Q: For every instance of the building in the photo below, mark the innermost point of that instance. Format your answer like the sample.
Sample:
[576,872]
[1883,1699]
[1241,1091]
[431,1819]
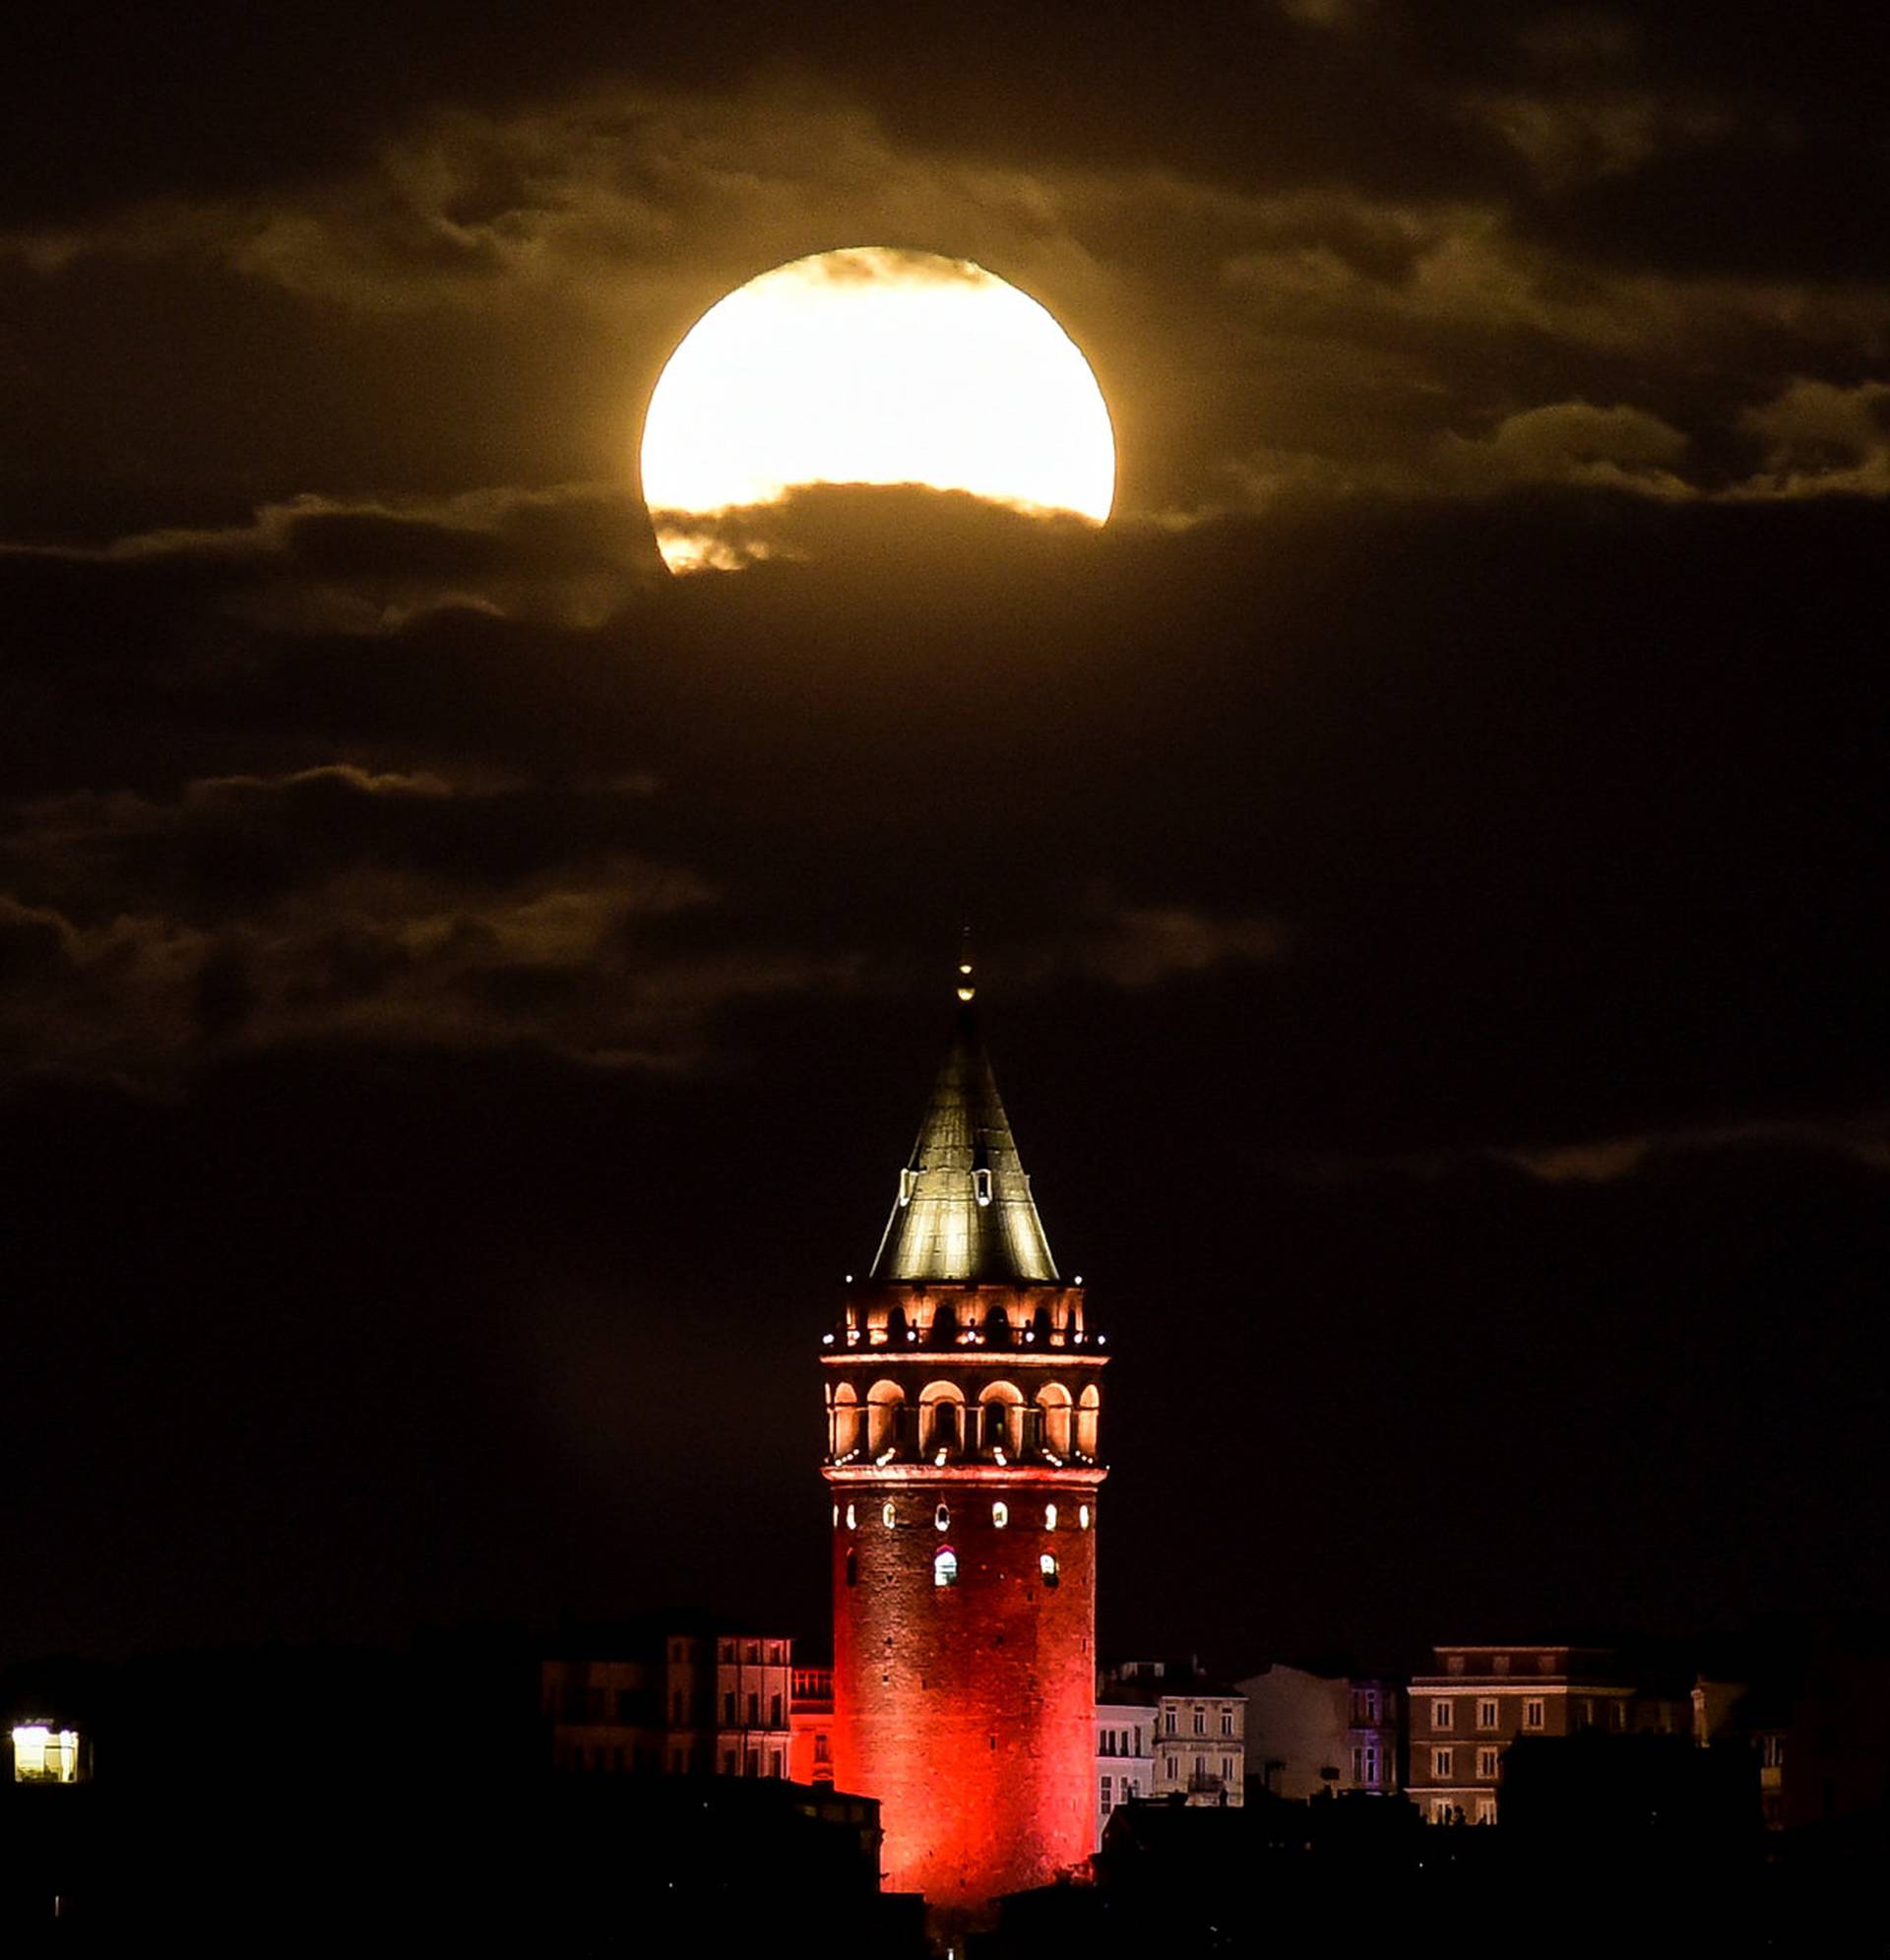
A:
[656,1701]
[1375,1758]
[1465,1716]
[810,1719]
[1200,1744]
[1309,1731]
[1124,1754]
[962,1388]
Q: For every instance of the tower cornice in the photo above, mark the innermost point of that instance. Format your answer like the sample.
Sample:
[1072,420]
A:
[949,1476]
[999,1359]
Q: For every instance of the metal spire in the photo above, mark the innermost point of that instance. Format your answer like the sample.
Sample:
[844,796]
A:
[963,1211]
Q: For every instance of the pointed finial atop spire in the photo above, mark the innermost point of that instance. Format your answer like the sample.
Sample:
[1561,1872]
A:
[966,990]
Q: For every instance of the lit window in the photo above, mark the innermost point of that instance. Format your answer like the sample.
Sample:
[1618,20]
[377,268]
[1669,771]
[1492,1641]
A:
[1487,1766]
[1000,1515]
[1532,1714]
[1047,1566]
[836,1517]
[1440,1715]
[1486,1809]
[1441,1760]
[1441,1810]
[1049,1517]
[1487,1712]
[851,1521]
[945,1567]
[42,1753]
[886,1515]
[1082,1517]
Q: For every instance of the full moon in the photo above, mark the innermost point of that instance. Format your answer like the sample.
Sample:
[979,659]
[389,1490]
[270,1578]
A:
[871,365]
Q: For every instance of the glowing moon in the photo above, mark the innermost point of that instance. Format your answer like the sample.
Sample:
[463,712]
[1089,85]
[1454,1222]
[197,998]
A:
[871,365]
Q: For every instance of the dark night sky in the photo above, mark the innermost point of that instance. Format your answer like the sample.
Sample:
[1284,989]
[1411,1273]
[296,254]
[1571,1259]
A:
[464,996]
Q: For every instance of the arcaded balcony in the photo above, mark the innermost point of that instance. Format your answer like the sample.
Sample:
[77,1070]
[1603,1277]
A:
[930,1318]
[977,1421]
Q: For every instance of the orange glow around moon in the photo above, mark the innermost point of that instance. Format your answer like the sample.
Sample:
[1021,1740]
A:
[871,365]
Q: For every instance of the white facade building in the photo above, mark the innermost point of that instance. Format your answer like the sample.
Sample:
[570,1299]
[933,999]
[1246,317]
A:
[1124,1756]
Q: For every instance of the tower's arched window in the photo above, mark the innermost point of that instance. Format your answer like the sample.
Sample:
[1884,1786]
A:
[1000,1514]
[852,1568]
[942,1418]
[1047,1566]
[1000,1419]
[945,1568]
[942,1518]
[884,1400]
[1087,1411]
[845,1419]
[1049,1517]
[1053,1399]
[887,1515]
[1082,1517]
[852,1523]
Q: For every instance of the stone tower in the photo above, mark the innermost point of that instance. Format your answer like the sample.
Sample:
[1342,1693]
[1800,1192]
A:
[963,1393]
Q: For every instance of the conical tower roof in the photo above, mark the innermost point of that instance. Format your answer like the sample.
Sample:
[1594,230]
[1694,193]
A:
[963,1211]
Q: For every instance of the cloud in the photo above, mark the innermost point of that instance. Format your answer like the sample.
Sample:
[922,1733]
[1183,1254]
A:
[1571,444]
[1822,440]
[1866,1140]
[872,528]
[571,554]
[342,903]
[1142,946]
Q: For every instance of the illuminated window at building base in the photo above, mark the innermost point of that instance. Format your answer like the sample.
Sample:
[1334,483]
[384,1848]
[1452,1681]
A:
[42,1753]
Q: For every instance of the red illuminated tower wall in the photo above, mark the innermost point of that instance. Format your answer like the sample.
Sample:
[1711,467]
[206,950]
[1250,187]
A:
[962,1412]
